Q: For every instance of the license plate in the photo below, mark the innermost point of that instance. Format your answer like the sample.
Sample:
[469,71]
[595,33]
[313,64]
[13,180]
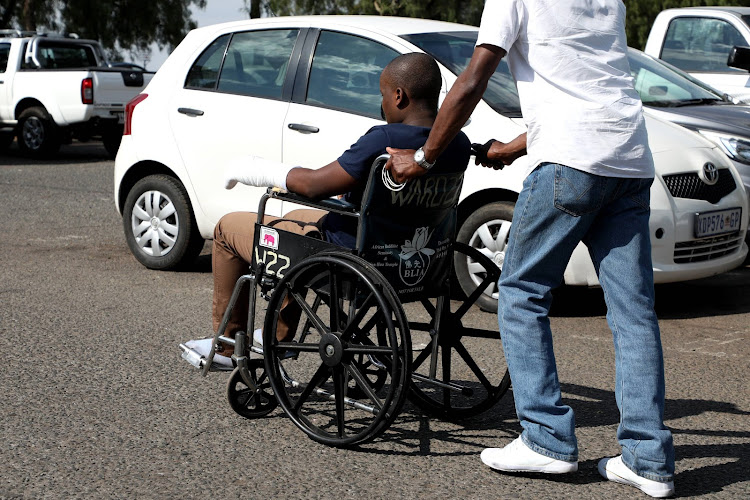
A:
[719,222]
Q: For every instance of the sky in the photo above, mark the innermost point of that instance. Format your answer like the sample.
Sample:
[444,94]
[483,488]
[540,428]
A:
[216,11]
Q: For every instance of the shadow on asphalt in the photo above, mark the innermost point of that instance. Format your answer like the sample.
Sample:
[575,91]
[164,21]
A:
[594,408]
[75,153]
[727,293]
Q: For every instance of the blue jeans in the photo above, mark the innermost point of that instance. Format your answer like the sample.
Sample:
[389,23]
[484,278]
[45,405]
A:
[557,208]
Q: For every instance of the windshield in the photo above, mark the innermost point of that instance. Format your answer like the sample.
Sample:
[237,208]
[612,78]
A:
[661,85]
[454,49]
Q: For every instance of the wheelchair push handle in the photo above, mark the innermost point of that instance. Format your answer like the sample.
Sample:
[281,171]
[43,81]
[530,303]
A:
[480,152]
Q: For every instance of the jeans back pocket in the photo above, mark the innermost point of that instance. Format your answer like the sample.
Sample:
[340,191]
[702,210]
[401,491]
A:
[578,193]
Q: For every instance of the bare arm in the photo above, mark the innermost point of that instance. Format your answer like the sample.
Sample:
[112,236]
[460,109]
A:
[455,111]
[321,183]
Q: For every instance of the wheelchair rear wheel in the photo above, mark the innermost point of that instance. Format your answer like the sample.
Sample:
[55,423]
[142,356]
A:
[344,374]
[461,371]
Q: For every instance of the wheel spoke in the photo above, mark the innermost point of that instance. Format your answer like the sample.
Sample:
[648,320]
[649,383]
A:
[141,213]
[367,349]
[146,238]
[311,315]
[339,390]
[486,283]
[446,355]
[475,267]
[502,235]
[281,347]
[244,396]
[166,238]
[168,210]
[141,228]
[426,352]
[461,350]
[335,294]
[486,236]
[155,247]
[363,383]
[321,375]
[155,200]
[351,327]
[168,228]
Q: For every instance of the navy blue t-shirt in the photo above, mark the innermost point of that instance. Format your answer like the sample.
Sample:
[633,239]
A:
[357,161]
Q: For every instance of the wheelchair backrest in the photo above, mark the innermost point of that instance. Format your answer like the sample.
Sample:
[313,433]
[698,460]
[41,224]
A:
[408,234]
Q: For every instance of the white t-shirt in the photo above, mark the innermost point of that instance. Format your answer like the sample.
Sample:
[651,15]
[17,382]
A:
[569,59]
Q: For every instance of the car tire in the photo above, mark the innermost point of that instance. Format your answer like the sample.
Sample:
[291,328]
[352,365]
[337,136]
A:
[38,135]
[111,137]
[486,229]
[159,204]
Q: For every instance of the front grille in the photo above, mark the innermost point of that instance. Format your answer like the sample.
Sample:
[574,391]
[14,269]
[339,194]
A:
[707,248]
[692,187]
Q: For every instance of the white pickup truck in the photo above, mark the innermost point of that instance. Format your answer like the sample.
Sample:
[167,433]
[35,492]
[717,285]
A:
[701,42]
[55,88]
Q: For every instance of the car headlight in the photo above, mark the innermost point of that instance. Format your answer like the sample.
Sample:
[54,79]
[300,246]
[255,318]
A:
[737,148]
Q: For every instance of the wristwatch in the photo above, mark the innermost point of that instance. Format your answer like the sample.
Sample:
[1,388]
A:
[421,160]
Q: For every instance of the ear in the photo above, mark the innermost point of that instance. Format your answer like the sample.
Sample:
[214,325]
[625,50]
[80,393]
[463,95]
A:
[402,99]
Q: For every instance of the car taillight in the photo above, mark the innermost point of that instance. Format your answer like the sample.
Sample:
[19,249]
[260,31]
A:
[87,91]
[129,108]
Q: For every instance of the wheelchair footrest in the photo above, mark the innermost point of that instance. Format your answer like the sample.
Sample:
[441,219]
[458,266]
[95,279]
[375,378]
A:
[198,361]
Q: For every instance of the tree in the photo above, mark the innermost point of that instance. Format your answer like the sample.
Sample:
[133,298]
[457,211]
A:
[27,14]
[120,25]
[461,11]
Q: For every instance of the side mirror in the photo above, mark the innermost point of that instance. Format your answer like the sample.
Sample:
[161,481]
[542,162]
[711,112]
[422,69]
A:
[739,57]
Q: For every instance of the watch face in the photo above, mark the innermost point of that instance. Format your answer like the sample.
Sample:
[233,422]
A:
[419,156]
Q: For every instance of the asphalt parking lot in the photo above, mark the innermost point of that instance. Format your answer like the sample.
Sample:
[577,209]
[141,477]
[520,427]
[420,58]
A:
[96,403]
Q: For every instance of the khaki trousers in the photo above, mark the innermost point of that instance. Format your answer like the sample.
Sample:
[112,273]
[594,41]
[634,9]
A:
[232,253]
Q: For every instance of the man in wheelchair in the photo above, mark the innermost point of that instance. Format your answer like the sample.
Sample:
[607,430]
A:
[410,87]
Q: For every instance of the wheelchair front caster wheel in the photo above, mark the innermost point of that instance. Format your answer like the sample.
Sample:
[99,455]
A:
[243,400]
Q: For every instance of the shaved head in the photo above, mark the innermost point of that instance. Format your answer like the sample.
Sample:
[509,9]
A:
[418,74]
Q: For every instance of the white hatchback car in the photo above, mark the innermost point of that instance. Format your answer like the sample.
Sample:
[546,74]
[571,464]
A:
[301,90]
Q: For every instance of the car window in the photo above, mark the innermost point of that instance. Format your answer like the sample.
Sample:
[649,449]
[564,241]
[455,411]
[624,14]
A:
[204,73]
[661,85]
[345,73]
[701,44]
[4,52]
[454,49]
[256,62]
[65,56]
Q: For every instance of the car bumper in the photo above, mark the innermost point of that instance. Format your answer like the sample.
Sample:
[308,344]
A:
[126,157]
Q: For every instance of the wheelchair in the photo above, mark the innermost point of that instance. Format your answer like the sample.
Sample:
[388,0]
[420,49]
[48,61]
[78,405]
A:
[354,357]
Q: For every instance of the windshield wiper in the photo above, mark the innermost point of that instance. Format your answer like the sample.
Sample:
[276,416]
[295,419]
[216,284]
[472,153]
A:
[694,102]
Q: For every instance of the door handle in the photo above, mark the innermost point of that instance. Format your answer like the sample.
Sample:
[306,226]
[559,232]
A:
[304,128]
[190,111]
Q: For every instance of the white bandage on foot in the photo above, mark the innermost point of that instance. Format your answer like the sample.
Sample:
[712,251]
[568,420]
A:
[256,171]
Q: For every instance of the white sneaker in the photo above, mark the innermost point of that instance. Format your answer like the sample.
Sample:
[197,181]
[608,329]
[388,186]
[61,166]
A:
[203,347]
[614,470]
[258,337]
[517,457]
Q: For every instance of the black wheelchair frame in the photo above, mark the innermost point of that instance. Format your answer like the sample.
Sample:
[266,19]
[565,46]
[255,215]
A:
[346,372]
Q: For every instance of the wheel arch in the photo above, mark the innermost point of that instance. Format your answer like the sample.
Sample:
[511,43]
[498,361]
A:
[480,198]
[26,103]
[139,171]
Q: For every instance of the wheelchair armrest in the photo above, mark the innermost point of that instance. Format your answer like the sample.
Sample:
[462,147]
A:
[329,204]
